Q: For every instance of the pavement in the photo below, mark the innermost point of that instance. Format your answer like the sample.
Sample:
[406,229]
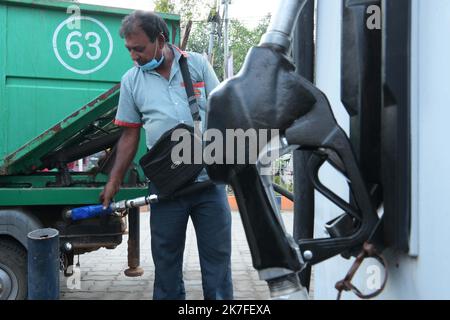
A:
[101,273]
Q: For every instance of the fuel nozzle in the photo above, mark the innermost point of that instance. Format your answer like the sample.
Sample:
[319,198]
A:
[114,208]
[287,287]
[282,23]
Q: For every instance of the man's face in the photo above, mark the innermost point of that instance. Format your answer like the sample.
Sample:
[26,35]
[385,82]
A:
[141,49]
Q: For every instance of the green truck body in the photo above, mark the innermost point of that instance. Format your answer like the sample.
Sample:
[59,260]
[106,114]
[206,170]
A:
[60,70]
[59,67]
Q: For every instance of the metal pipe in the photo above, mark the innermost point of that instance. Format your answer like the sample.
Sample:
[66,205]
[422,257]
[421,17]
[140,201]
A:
[134,269]
[303,52]
[43,264]
[226,43]
[212,26]
[282,24]
[303,207]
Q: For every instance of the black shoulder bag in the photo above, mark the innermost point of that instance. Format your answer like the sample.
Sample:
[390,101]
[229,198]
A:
[167,176]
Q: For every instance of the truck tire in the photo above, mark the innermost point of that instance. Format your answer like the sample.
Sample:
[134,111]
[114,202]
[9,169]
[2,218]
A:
[13,270]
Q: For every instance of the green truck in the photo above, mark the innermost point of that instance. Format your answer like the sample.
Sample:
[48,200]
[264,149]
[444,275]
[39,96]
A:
[60,70]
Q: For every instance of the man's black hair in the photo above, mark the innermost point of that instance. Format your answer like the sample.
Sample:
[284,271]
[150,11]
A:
[152,24]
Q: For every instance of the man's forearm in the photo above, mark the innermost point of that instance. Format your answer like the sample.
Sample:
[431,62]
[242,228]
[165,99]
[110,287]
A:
[126,150]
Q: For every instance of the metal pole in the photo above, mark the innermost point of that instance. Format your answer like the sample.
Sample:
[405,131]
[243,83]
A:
[226,44]
[303,51]
[134,248]
[43,264]
[212,26]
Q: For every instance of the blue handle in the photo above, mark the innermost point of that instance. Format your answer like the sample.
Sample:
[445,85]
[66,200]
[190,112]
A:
[90,212]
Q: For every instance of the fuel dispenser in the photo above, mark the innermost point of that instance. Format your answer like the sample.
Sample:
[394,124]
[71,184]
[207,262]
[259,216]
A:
[278,98]
[374,159]
[375,85]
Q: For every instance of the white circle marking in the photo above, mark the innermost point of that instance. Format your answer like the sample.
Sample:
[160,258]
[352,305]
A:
[58,56]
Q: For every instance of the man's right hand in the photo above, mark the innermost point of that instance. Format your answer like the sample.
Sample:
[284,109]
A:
[109,192]
[126,149]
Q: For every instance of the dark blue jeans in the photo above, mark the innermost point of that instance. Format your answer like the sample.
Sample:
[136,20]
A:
[210,214]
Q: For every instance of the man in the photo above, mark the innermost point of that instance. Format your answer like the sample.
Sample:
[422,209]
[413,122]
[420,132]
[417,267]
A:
[153,95]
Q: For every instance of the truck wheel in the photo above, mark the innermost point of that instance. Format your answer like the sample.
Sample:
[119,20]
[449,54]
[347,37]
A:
[13,270]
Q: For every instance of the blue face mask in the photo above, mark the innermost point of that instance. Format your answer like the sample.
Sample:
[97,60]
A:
[152,64]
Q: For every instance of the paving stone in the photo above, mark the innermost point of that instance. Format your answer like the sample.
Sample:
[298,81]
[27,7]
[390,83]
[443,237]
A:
[102,272]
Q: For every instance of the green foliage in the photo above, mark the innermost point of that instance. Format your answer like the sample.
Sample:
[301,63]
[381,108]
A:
[164,6]
[193,10]
[288,186]
[241,39]
[198,42]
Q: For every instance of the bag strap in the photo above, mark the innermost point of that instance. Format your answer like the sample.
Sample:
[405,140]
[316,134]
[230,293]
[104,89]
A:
[193,104]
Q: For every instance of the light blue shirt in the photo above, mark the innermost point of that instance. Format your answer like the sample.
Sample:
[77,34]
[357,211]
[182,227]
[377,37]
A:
[148,99]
